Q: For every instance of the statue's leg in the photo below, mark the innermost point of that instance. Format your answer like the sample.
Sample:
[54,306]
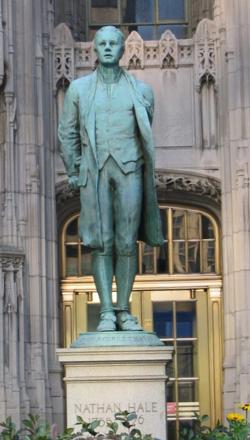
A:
[125,272]
[102,262]
[103,275]
[102,266]
[128,198]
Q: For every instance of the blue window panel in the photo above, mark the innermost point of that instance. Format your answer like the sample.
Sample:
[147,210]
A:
[179,30]
[163,324]
[185,324]
[147,32]
[134,11]
[171,9]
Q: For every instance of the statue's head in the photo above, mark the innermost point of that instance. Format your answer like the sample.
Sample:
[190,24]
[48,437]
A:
[109,45]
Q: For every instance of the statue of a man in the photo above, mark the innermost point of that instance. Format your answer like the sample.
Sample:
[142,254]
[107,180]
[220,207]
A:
[107,149]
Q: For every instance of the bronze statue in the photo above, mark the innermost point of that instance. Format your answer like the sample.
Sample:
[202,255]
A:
[107,149]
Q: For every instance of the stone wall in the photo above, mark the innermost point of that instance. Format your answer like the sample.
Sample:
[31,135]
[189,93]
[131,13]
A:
[30,375]
[232,18]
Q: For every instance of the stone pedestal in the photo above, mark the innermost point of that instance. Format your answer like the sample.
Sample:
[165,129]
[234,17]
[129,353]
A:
[101,381]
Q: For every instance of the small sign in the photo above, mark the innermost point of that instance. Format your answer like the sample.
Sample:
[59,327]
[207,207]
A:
[171,408]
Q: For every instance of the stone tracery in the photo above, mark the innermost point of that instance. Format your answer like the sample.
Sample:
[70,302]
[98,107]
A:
[71,57]
[168,48]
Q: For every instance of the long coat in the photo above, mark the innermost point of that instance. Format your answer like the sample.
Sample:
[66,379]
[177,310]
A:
[78,150]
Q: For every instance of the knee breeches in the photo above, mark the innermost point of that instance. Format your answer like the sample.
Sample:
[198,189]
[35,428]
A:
[120,200]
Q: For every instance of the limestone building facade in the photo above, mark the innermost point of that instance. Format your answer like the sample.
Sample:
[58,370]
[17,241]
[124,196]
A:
[194,292]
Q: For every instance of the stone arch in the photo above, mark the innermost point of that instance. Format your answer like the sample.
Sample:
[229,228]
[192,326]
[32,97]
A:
[193,189]
[67,202]
[172,186]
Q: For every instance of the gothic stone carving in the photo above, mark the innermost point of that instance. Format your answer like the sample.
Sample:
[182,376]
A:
[134,53]
[71,58]
[168,47]
[168,52]
[205,54]
[11,263]
[63,55]
[185,53]
[64,193]
[1,46]
[11,268]
[198,185]
[13,360]
[84,55]
[242,179]
[151,54]
[168,181]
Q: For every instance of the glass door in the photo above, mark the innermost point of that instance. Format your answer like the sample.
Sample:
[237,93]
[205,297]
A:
[189,320]
[176,325]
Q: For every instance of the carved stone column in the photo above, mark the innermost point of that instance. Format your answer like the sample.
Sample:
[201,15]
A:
[232,19]
[1,45]
[14,399]
[28,221]
[206,81]
[9,128]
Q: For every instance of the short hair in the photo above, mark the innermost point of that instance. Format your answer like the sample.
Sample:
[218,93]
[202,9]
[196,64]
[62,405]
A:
[110,28]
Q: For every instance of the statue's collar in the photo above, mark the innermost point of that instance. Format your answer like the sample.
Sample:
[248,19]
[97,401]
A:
[109,75]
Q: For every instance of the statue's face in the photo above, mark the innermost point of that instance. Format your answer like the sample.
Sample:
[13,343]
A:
[109,47]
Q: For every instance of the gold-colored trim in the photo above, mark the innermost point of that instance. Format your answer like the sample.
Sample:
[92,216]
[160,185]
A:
[147,311]
[136,308]
[81,315]
[156,282]
[215,350]
[63,241]
[203,350]
[186,240]
[176,370]
[201,244]
[140,257]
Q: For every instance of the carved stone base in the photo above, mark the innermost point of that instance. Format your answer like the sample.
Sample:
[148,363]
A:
[101,381]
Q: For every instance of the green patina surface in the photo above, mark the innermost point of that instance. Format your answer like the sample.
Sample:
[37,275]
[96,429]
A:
[117,339]
[107,149]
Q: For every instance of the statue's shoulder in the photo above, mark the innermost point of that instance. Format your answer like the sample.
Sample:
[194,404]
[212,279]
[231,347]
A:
[82,82]
[144,93]
[145,89]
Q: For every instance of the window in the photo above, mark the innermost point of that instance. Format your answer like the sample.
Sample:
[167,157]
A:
[191,246]
[175,322]
[76,257]
[149,18]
